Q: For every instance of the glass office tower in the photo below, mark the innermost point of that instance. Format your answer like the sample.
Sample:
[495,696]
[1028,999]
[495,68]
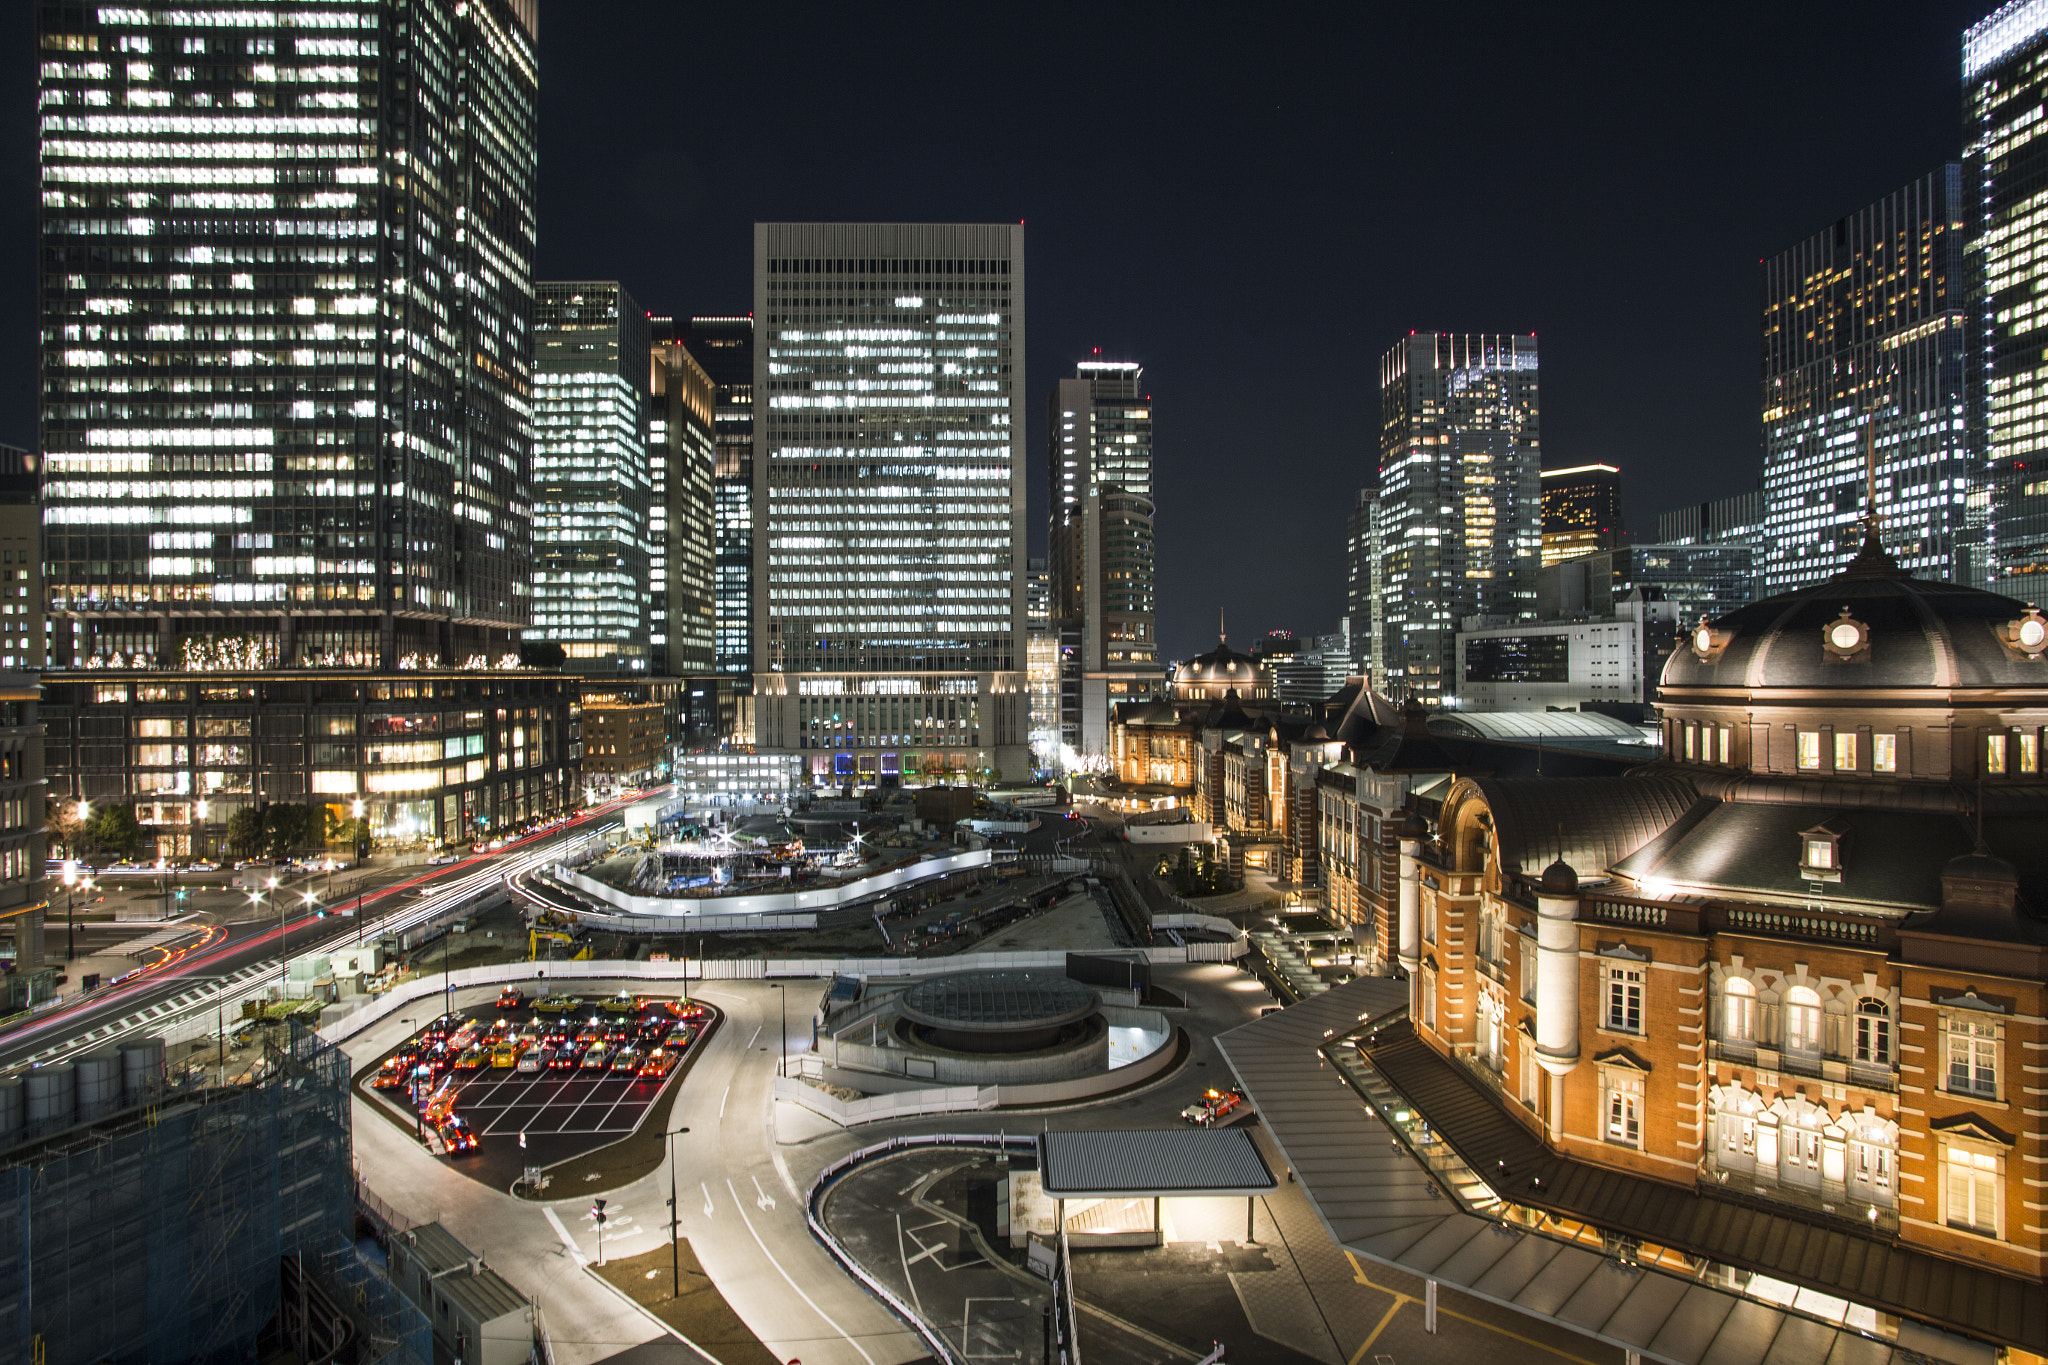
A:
[1581,511]
[590,476]
[685,457]
[889,498]
[724,347]
[1457,528]
[2005,81]
[287,306]
[286,302]
[1358,578]
[1100,547]
[1864,341]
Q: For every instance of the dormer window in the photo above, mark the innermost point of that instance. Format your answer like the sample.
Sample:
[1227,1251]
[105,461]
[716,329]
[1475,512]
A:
[1820,851]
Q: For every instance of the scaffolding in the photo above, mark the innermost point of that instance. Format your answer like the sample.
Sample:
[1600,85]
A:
[158,1233]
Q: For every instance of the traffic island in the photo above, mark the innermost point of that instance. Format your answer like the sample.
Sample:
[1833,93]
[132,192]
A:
[699,1313]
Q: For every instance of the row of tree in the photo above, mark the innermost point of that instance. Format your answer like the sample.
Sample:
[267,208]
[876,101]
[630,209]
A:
[275,829]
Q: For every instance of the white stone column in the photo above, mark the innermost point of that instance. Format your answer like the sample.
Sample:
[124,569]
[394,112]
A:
[1409,943]
[1557,970]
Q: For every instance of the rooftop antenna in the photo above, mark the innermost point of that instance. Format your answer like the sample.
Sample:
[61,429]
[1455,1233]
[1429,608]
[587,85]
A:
[1222,635]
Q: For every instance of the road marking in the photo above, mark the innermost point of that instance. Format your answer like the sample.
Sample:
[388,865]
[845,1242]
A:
[722,1099]
[1358,1274]
[850,1339]
[903,1255]
[707,1197]
[763,1200]
[563,1233]
[757,1036]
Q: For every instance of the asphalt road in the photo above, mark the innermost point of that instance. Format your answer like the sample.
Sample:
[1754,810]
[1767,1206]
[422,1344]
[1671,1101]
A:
[249,942]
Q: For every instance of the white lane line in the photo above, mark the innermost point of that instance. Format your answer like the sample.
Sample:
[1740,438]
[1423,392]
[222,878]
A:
[722,1099]
[563,1233]
[707,1198]
[757,1036]
[792,1283]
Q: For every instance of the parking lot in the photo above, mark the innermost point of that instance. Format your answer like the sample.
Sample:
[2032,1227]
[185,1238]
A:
[516,1082]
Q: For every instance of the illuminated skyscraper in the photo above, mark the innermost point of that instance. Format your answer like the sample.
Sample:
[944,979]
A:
[1864,336]
[287,373]
[2005,81]
[724,347]
[889,497]
[1581,511]
[287,307]
[1358,581]
[683,442]
[1100,549]
[1457,529]
[590,476]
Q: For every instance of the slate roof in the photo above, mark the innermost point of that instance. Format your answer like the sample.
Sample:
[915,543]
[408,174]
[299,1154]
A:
[1592,823]
[1922,633]
[1380,1205]
[1140,1163]
[1841,1257]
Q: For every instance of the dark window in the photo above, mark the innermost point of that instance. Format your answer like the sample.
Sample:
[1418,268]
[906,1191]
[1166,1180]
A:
[1518,658]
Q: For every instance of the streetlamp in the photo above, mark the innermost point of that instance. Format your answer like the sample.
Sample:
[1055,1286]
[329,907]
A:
[70,909]
[675,1265]
[782,1010]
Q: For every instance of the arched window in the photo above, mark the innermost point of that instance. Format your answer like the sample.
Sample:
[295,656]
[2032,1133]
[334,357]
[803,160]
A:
[1873,1032]
[1802,1020]
[1738,1010]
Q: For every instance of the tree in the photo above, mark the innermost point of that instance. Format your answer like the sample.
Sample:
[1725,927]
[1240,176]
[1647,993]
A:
[288,828]
[245,831]
[541,654]
[115,829]
[65,829]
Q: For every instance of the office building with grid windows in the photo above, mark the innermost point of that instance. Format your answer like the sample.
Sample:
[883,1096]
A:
[287,304]
[1101,554]
[724,349]
[1581,511]
[1864,354]
[684,461]
[889,499]
[590,475]
[1457,528]
[2005,79]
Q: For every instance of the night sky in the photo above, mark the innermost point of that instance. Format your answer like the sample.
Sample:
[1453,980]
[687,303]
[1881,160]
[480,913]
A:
[1254,202]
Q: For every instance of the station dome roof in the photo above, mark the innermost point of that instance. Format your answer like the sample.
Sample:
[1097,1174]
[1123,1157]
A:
[1870,626]
[1222,666]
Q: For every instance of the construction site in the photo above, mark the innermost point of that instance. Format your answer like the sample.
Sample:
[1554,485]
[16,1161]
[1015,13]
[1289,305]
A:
[145,1219]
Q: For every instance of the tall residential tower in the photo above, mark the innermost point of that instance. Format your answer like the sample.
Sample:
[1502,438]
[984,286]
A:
[1457,528]
[1864,352]
[1100,549]
[889,498]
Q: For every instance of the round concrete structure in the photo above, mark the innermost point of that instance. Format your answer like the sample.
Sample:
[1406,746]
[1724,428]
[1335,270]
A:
[998,1012]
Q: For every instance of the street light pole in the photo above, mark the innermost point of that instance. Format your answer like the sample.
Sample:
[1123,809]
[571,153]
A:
[782,1012]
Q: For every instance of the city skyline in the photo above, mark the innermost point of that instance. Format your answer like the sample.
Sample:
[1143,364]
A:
[1735,183]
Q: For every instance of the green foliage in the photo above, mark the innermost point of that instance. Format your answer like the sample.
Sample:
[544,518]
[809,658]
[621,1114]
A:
[1200,875]
[245,831]
[541,654]
[115,829]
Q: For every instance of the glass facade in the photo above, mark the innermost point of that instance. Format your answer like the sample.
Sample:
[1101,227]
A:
[286,331]
[685,459]
[591,477]
[2005,81]
[1581,511]
[888,495]
[1457,528]
[1864,346]
[1358,583]
[724,347]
